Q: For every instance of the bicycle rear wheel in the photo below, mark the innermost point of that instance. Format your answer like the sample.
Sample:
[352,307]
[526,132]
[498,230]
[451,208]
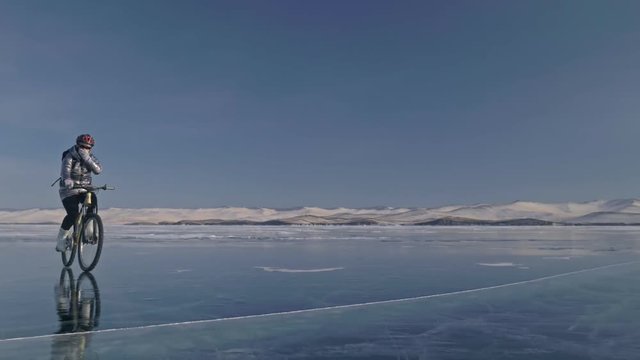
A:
[70,251]
[67,284]
[90,245]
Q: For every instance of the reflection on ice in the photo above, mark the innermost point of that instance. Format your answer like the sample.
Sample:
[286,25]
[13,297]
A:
[78,308]
[77,302]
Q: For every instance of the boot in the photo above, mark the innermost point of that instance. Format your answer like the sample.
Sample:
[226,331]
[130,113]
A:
[63,235]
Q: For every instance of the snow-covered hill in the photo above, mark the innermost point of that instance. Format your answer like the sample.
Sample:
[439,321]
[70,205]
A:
[624,211]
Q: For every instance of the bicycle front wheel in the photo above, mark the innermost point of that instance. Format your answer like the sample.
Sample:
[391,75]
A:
[90,245]
[88,302]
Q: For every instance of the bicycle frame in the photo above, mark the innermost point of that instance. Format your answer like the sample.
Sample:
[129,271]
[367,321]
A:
[81,215]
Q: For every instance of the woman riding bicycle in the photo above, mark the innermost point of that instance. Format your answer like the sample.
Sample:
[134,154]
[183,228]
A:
[78,163]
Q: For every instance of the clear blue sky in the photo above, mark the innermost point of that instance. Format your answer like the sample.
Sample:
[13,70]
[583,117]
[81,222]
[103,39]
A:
[323,103]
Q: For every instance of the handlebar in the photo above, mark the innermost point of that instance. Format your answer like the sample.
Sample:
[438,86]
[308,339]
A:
[95,188]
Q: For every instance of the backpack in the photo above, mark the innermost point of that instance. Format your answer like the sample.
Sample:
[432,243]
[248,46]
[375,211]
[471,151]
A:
[73,160]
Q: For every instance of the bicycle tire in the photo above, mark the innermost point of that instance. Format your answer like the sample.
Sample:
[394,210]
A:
[66,306]
[69,254]
[90,246]
[67,281]
[88,293]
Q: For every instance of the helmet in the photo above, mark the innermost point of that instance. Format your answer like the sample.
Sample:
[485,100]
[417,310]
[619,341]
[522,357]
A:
[85,140]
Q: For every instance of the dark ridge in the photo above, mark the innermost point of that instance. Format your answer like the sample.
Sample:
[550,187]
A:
[268,222]
[602,224]
[526,222]
[458,221]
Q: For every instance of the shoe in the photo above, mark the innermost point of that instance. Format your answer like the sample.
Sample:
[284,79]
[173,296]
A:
[63,235]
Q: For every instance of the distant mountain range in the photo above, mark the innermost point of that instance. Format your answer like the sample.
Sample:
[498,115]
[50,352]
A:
[600,212]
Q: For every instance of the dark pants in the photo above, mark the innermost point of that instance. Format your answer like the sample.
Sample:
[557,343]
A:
[71,205]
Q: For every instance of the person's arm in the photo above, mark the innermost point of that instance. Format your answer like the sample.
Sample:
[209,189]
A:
[90,161]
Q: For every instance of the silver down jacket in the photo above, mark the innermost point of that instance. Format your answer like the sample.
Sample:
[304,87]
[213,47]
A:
[77,165]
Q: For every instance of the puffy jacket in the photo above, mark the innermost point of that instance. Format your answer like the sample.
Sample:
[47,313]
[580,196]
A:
[77,165]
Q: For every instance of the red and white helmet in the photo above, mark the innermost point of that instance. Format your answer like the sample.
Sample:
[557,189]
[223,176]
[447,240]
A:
[85,140]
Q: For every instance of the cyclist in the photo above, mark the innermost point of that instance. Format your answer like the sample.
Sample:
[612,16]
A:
[78,163]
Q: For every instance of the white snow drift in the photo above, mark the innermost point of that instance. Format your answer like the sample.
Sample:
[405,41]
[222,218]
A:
[625,211]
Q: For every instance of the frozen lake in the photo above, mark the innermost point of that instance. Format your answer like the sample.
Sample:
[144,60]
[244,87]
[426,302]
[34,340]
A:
[243,292]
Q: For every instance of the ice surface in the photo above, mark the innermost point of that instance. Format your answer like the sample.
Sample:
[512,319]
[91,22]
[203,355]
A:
[157,288]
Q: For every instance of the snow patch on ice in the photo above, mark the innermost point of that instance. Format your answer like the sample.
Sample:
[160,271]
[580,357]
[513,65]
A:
[557,258]
[499,264]
[285,270]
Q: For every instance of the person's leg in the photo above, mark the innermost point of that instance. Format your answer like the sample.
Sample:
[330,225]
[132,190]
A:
[71,206]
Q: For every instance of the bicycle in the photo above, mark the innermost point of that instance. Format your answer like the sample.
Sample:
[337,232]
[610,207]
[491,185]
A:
[78,310]
[77,302]
[88,233]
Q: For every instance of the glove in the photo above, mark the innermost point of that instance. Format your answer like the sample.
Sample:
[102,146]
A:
[68,183]
[85,154]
